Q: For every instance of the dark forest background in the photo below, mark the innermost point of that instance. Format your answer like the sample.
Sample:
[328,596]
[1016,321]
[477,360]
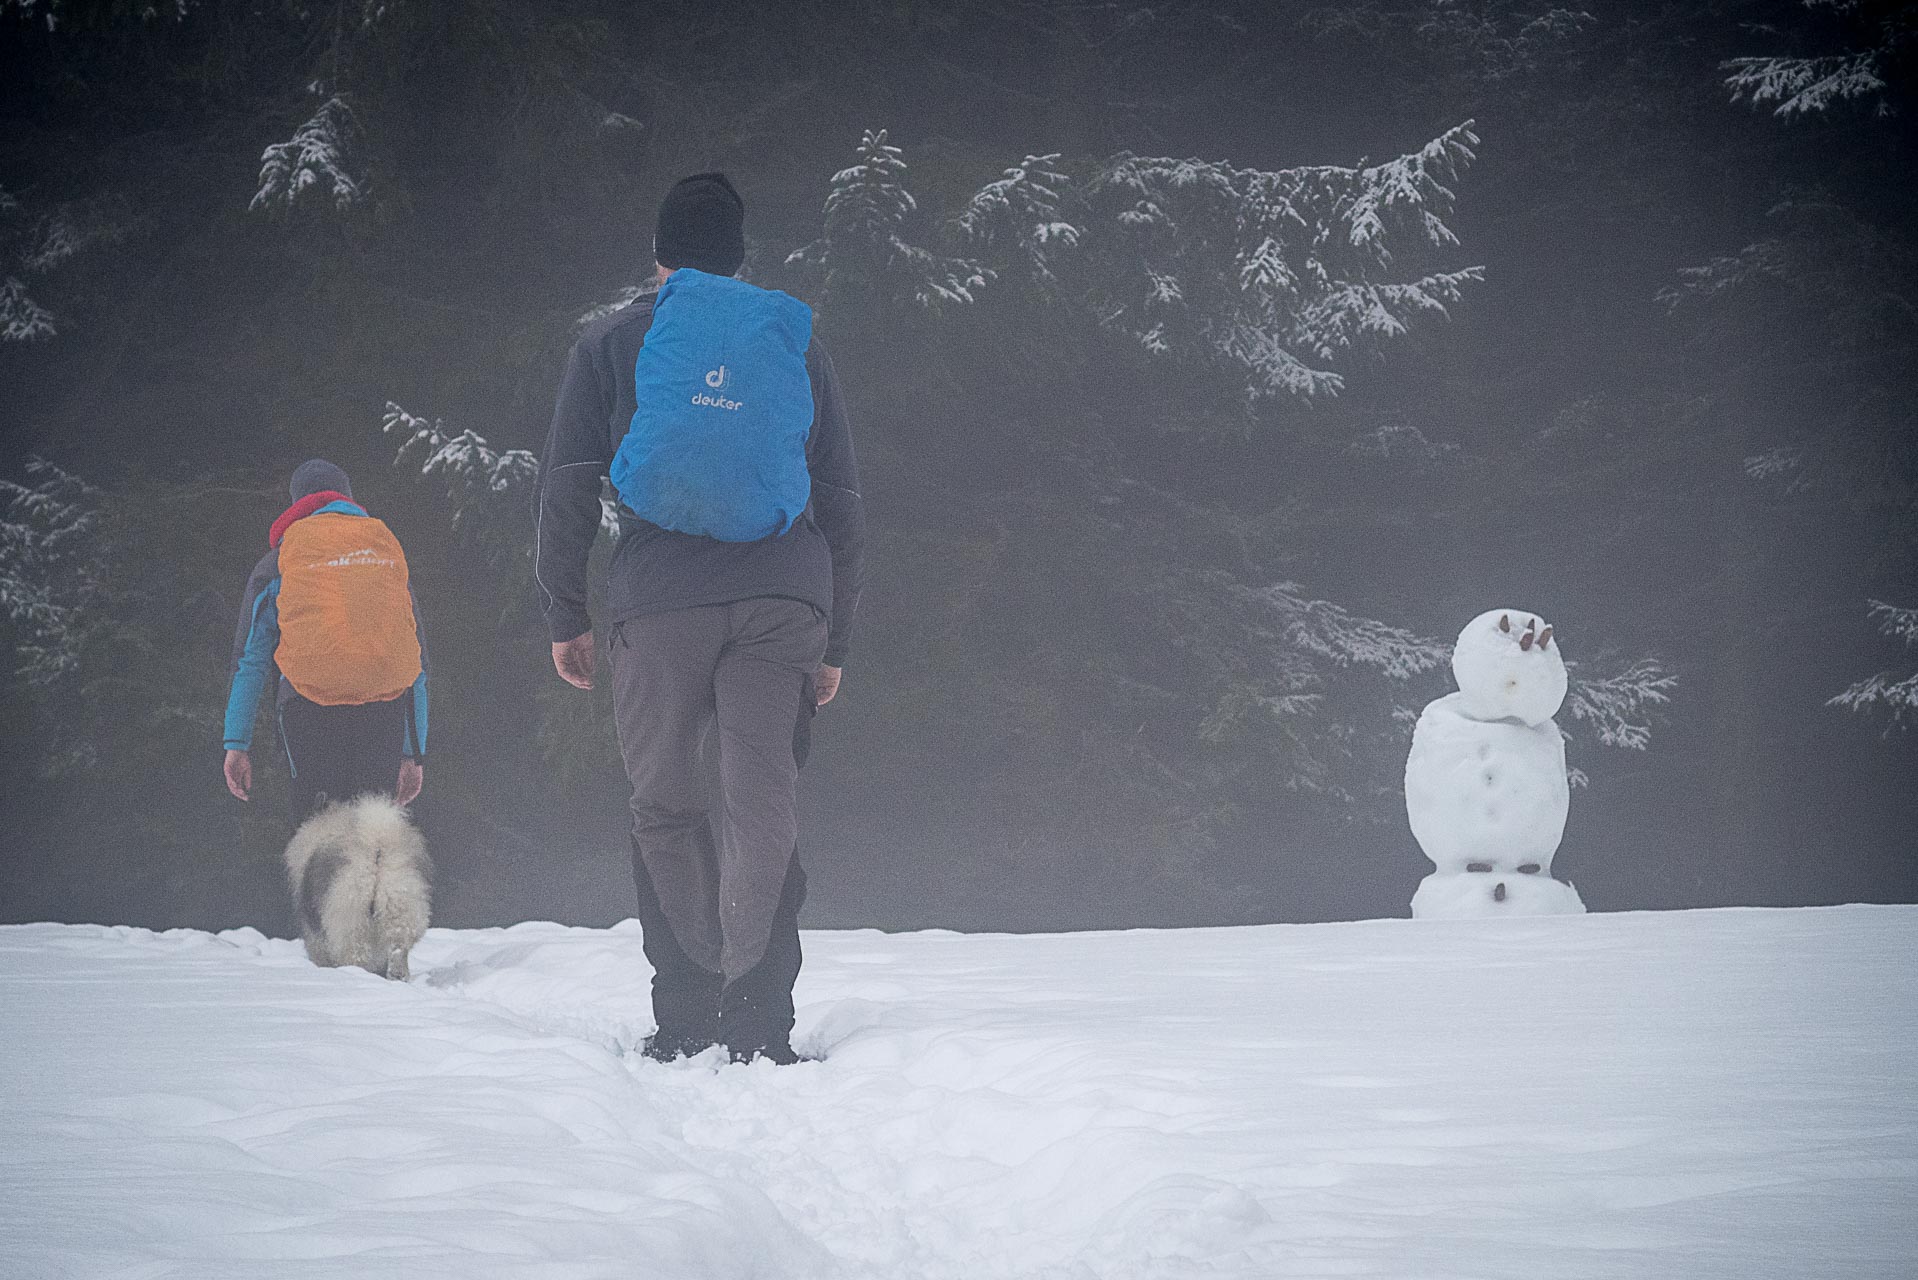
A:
[1150,607]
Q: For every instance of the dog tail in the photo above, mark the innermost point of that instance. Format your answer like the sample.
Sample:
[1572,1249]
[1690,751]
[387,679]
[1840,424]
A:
[401,885]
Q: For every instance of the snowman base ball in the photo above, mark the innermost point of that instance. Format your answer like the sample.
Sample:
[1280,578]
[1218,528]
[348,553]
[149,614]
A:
[1450,895]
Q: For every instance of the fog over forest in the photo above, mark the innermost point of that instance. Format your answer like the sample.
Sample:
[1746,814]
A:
[1210,362]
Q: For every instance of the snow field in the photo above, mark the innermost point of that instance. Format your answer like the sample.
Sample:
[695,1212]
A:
[1699,1094]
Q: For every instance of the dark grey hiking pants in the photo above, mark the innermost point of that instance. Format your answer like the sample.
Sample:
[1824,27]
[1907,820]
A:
[714,697]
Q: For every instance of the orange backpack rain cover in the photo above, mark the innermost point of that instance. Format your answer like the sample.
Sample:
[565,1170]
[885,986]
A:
[346,617]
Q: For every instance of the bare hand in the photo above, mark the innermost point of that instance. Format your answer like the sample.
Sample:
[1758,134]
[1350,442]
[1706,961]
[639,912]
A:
[412,778]
[825,683]
[574,660]
[239,774]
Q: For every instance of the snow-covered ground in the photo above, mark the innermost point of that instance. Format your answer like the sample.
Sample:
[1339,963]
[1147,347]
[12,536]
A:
[1686,1094]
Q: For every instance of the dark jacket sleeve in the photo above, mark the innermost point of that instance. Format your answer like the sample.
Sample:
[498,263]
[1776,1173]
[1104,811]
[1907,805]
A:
[577,455]
[838,509]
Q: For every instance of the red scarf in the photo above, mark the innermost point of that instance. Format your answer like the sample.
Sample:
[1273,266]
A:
[300,510]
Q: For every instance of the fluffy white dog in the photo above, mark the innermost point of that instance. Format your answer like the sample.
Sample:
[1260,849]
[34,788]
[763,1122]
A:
[362,884]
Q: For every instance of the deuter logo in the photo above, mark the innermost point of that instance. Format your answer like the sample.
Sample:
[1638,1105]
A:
[716,378]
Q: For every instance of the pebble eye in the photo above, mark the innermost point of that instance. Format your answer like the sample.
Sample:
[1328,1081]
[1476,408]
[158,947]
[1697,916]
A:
[1478,866]
[1529,868]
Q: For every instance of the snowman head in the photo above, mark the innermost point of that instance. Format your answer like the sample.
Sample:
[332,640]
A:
[1508,667]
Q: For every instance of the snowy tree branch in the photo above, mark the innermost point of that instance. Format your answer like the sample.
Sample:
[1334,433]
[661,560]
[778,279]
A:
[865,237]
[1617,707]
[315,157]
[475,474]
[1886,691]
[48,572]
[1804,86]
[21,318]
[482,483]
[1808,85]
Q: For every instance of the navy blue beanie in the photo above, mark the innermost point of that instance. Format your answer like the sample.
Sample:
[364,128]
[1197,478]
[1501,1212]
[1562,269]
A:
[702,225]
[317,475]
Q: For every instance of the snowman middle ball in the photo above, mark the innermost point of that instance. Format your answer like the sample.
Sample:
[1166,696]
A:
[1478,790]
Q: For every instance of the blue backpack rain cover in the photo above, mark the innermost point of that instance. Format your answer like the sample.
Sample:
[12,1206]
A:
[718,443]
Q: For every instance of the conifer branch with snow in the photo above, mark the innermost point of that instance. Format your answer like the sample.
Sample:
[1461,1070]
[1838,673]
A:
[865,237]
[1349,640]
[477,476]
[1799,86]
[1023,214]
[1274,274]
[1804,86]
[1887,692]
[1618,707]
[1290,675]
[1280,273]
[484,485]
[21,318]
[315,159]
[38,244]
[49,576]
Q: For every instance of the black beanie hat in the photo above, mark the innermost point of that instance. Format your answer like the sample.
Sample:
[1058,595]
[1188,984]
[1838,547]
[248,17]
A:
[702,225]
[317,475]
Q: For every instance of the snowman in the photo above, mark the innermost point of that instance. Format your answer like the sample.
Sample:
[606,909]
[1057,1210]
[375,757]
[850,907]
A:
[1485,783]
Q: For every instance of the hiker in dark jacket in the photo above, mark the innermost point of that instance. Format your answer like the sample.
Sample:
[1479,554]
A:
[349,666]
[716,646]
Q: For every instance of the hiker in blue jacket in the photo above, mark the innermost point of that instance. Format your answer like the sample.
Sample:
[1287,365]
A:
[729,601]
[349,672]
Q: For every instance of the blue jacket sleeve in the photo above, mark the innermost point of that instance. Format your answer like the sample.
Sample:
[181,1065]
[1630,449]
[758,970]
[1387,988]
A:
[253,662]
[414,745]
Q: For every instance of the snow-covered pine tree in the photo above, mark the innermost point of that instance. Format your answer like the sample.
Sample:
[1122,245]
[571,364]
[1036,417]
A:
[1315,687]
[34,245]
[49,569]
[1274,275]
[1617,702]
[1881,37]
[1267,280]
[489,496]
[49,12]
[314,160]
[865,245]
[1309,647]
[485,487]
[1023,217]
[21,318]
[1837,275]
[1489,41]
[1887,692]
[1277,273]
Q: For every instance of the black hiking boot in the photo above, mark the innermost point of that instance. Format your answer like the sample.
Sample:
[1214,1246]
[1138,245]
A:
[664,1048]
